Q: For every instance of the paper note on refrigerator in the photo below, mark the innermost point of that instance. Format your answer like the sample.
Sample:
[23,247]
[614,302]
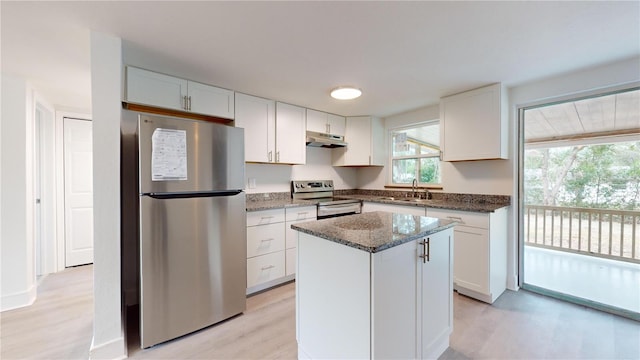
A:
[168,155]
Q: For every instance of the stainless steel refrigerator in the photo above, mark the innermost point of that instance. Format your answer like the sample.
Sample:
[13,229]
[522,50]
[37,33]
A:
[192,224]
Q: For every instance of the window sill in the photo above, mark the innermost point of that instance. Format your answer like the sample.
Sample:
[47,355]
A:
[408,186]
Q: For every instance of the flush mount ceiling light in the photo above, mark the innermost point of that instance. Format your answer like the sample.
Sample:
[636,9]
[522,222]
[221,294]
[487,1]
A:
[346,93]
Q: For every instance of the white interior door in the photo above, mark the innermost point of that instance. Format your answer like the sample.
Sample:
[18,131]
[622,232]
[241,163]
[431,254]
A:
[78,192]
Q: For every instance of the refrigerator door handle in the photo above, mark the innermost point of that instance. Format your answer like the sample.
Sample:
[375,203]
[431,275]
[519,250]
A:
[192,194]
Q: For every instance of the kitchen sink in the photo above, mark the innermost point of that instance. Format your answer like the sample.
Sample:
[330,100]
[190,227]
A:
[387,198]
[416,200]
[405,199]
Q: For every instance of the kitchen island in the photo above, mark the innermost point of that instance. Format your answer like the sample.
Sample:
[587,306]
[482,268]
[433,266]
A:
[374,285]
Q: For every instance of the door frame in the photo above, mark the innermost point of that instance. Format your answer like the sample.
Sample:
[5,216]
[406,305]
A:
[45,242]
[59,168]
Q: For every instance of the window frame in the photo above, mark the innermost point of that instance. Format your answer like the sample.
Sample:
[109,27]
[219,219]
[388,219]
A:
[391,158]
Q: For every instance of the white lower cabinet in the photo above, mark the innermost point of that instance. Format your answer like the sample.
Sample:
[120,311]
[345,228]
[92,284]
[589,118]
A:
[265,268]
[351,304]
[400,209]
[265,239]
[295,215]
[290,261]
[265,249]
[271,245]
[480,252]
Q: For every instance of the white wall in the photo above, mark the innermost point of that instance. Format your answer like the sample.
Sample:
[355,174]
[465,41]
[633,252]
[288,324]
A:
[106,77]
[18,286]
[277,178]
[578,83]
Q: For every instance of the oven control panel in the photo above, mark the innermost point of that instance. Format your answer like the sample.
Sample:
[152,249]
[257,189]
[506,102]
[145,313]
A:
[298,186]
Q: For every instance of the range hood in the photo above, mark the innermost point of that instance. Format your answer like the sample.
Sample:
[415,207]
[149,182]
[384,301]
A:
[317,139]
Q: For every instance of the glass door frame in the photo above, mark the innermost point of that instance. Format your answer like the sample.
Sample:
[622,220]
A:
[520,148]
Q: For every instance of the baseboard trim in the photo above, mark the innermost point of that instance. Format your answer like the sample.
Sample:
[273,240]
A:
[112,350]
[18,300]
[512,283]
[254,290]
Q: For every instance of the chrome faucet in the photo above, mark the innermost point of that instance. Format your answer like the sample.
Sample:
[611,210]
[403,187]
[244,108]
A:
[414,185]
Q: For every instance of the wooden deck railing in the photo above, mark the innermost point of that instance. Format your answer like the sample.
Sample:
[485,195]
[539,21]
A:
[605,233]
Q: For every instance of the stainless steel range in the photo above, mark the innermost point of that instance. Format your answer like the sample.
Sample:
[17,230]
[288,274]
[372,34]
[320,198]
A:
[322,191]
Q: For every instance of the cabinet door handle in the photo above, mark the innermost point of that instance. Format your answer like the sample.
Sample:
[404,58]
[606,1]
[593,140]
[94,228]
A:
[456,218]
[468,232]
[189,103]
[277,156]
[266,240]
[428,254]
[426,249]
[267,267]
[270,155]
[184,103]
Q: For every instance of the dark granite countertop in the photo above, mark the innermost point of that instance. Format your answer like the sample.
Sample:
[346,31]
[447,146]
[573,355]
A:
[431,203]
[375,231]
[450,201]
[279,200]
[277,204]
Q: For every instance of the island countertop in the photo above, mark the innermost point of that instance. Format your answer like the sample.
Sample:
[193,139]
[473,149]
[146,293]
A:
[375,231]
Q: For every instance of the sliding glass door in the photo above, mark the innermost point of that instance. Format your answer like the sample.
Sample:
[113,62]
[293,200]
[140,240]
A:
[580,200]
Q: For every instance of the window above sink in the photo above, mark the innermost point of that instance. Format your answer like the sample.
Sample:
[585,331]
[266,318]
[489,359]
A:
[415,154]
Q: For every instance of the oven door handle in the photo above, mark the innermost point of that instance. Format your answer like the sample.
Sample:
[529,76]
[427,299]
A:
[340,206]
[325,211]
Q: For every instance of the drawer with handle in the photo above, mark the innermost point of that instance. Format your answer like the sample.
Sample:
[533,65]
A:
[265,239]
[301,213]
[264,268]
[265,217]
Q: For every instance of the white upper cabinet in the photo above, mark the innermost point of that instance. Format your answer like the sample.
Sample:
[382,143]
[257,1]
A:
[273,132]
[258,118]
[337,124]
[364,136]
[291,147]
[210,100]
[322,122]
[474,125]
[150,88]
[316,121]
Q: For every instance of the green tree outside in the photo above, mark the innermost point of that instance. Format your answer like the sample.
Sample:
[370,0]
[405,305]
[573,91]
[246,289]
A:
[590,176]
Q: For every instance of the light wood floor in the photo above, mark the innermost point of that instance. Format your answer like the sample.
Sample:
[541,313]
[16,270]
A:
[59,325]
[519,325]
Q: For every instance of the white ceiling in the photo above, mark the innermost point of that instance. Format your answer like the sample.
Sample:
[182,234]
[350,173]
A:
[402,54]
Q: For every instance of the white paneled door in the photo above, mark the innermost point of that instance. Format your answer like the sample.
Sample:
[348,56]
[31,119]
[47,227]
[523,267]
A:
[78,192]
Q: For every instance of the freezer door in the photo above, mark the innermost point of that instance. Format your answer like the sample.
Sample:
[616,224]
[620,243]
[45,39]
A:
[192,264]
[180,155]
